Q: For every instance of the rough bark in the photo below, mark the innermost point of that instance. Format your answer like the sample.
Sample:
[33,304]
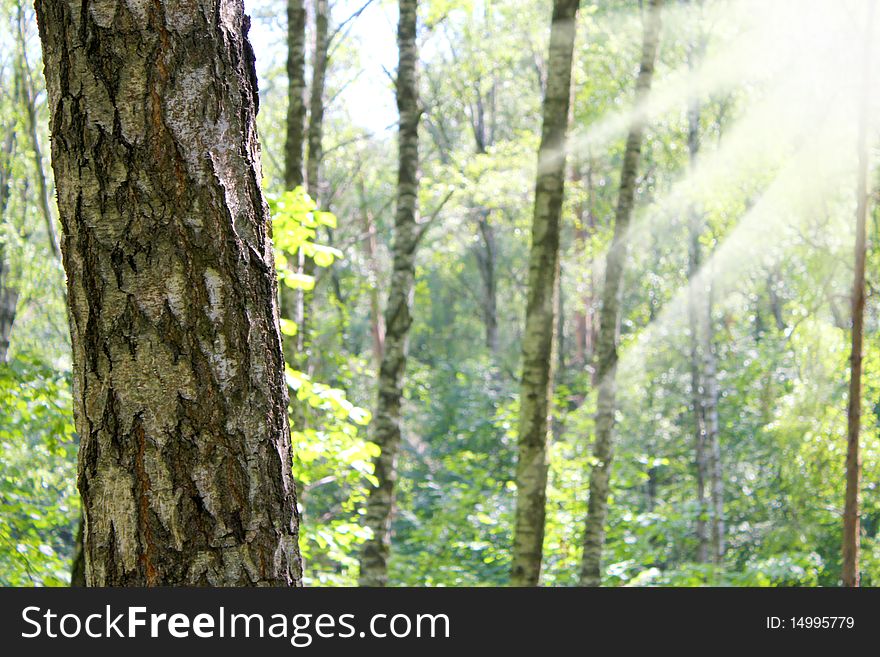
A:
[608,338]
[535,389]
[386,422]
[851,513]
[179,394]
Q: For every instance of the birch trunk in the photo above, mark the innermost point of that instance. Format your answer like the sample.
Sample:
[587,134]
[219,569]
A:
[851,513]
[609,318]
[536,386]
[179,394]
[386,422]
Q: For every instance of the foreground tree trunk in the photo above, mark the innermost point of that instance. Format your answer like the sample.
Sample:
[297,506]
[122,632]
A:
[536,387]
[851,513]
[609,318]
[180,399]
[386,423]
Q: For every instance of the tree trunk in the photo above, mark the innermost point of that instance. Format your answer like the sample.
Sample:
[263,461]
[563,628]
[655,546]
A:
[386,422]
[713,432]
[486,255]
[584,315]
[179,393]
[296,94]
[695,228]
[609,319]
[377,321]
[851,513]
[315,154]
[295,139]
[536,387]
[8,292]
[28,100]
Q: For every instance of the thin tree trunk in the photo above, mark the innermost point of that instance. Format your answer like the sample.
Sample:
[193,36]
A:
[713,433]
[315,135]
[486,255]
[295,139]
[296,94]
[8,292]
[584,316]
[28,99]
[607,340]
[537,376]
[386,422]
[695,228]
[179,393]
[377,321]
[851,513]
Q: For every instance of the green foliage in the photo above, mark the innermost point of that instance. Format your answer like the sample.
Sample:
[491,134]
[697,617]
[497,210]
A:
[332,460]
[38,500]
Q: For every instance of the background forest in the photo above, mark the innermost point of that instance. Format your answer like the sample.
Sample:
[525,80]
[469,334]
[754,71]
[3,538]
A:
[732,381]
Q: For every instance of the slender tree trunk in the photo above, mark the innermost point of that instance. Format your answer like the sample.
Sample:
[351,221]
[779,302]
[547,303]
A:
[713,432]
[584,316]
[695,302]
[377,321]
[8,291]
[296,94]
[386,422]
[607,340]
[294,143]
[851,513]
[179,393]
[486,255]
[537,376]
[315,135]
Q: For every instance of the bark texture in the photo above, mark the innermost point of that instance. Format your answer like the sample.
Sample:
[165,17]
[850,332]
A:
[609,319]
[851,512]
[386,422]
[180,399]
[536,386]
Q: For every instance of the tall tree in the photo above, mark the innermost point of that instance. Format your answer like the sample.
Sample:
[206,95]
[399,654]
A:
[180,398]
[536,386]
[8,291]
[296,94]
[314,155]
[609,319]
[295,131]
[851,512]
[694,304]
[386,422]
